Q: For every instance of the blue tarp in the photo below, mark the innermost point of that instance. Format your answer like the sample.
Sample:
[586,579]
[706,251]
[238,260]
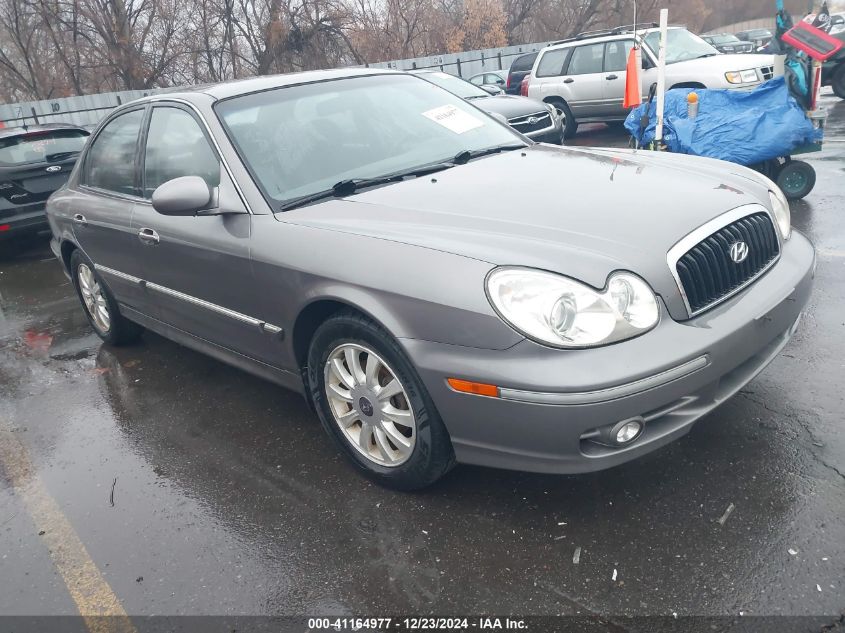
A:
[740,127]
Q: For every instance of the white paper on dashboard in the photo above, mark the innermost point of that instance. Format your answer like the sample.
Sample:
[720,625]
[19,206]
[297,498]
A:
[453,119]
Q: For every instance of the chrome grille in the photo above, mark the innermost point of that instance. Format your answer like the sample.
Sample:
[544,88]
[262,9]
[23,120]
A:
[532,122]
[708,272]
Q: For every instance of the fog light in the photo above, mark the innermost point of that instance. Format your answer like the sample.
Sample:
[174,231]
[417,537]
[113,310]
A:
[626,431]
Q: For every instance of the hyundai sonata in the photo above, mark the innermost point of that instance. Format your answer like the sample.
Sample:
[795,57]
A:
[323,230]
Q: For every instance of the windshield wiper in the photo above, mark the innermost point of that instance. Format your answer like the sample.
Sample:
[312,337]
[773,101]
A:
[352,185]
[462,158]
[50,158]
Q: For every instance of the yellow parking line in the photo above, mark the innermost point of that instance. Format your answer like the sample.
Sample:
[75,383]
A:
[95,600]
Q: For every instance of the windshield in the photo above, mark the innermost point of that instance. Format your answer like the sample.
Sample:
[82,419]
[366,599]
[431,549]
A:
[300,140]
[681,45]
[41,146]
[455,85]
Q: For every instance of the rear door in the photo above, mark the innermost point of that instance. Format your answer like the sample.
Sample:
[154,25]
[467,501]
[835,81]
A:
[548,80]
[585,80]
[32,166]
[108,193]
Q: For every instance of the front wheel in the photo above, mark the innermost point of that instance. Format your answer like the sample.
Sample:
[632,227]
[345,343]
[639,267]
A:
[371,401]
[796,179]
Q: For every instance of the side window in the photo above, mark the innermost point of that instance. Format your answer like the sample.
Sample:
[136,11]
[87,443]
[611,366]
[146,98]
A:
[176,146]
[616,55]
[494,79]
[478,80]
[586,60]
[551,64]
[110,163]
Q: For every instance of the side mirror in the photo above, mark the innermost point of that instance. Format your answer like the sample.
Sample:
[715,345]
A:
[492,89]
[182,196]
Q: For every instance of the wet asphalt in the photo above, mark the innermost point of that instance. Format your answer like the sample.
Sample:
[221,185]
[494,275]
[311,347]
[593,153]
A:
[198,489]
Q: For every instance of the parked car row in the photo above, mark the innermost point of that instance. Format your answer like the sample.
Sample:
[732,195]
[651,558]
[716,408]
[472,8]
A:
[584,76]
[36,160]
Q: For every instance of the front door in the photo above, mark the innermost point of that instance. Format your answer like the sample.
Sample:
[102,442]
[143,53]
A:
[197,268]
[103,207]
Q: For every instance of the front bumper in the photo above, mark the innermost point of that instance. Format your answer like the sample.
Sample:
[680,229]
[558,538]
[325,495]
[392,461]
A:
[671,376]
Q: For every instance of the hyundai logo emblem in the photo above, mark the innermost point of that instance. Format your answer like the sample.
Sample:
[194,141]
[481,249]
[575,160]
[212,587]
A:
[533,120]
[54,168]
[739,251]
[366,407]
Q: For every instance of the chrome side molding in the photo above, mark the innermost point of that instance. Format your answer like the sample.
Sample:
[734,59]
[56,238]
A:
[269,328]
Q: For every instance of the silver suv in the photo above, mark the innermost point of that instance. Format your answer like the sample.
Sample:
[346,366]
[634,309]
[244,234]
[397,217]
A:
[585,76]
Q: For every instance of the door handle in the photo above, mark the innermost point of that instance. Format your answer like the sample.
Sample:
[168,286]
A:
[611,77]
[80,219]
[568,80]
[148,236]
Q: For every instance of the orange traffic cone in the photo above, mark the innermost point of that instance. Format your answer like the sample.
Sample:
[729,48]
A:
[632,82]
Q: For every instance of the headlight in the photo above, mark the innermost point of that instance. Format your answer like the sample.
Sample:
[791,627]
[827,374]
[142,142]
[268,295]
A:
[780,207]
[742,76]
[562,312]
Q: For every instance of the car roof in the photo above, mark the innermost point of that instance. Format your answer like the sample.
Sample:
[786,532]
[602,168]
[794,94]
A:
[249,85]
[607,35]
[7,132]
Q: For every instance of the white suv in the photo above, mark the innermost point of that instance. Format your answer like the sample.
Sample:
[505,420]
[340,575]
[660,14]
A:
[585,76]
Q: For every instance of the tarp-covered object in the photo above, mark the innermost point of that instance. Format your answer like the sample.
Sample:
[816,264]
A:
[737,126]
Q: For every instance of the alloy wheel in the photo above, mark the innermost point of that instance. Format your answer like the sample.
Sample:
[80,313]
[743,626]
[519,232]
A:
[93,298]
[369,404]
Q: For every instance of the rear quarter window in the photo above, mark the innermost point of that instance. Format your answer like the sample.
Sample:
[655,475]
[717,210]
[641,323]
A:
[552,62]
[41,147]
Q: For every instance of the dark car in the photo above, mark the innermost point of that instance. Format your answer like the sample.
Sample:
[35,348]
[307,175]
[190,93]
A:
[727,43]
[757,37]
[520,67]
[329,231]
[34,162]
[833,70]
[538,121]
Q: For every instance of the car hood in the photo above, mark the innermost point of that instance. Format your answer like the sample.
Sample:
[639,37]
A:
[510,106]
[576,211]
[727,62]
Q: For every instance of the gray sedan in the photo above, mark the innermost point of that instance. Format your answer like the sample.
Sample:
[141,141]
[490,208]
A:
[323,230]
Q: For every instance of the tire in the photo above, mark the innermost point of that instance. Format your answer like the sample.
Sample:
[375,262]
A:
[99,304]
[838,81]
[796,179]
[570,125]
[425,454]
